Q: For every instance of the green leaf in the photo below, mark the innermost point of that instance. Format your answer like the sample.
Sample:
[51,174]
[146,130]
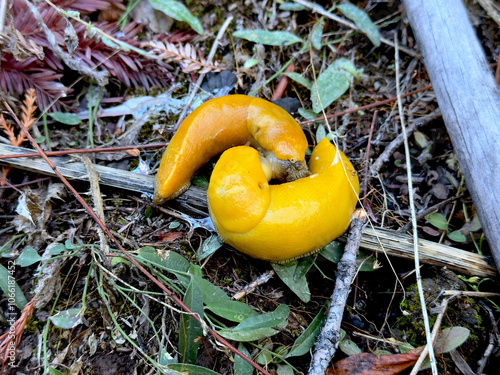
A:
[28,257]
[190,330]
[258,327]
[182,369]
[304,343]
[303,267]
[69,245]
[285,369]
[174,225]
[362,21]
[320,133]
[451,338]
[308,114]
[200,181]
[57,249]
[332,83]
[177,11]
[438,220]
[292,7]
[276,318]
[332,251]
[166,260]
[317,34]
[247,336]
[349,347]
[67,319]
[240,365]
[250,63]
[53,371]
[210,246]
[8,284]
[268,38]
[65,118]
[457,236]
[217,301]
[286,273]
[299,79]
[366,262]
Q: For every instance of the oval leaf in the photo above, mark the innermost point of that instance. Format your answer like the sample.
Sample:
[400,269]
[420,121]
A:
[177,11]
[240,365]
[9,286]
[28,257]
[268,38]
[65,118]
[438,220]
[67,319]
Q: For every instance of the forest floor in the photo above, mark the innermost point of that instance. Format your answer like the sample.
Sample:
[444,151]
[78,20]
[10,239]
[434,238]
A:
[86,309]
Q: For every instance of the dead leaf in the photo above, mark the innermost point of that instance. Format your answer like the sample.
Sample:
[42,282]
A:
[370,364]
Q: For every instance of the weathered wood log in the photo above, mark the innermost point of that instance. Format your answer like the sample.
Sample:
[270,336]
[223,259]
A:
[468,98]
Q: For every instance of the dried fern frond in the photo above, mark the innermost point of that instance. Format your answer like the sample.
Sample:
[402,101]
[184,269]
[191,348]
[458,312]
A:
[185,55]
[28,109]
[130,68]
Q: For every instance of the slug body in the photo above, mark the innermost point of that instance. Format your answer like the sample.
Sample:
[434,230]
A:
[286,221]
[226,122]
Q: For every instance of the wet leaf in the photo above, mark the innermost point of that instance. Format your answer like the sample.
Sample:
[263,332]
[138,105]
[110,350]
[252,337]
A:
[177,11]
[210,246]
[268,38]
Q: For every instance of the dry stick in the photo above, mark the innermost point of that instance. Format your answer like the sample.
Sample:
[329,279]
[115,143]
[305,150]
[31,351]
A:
[329,337]
[491,344]
[323,12]
[76,64]
[362,108]
[199,81]
[219,338]
[425,317]
[95,191]
[389,150]
[84,151]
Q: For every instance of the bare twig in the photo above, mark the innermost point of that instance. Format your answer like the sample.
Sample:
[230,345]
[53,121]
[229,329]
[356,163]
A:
[262,279]
[394,145]
[491,344]
[329,338]
[425,317]
[362,108]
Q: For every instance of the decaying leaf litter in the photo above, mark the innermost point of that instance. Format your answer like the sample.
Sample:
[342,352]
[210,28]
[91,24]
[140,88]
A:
[86,309]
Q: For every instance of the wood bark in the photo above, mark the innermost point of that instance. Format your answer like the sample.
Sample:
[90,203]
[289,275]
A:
[469,100]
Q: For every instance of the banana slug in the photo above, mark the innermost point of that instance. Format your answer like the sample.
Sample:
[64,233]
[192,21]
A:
[226,122]
[286,221]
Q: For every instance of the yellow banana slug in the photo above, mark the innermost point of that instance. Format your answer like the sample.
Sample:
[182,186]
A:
[226,122]
[286,221]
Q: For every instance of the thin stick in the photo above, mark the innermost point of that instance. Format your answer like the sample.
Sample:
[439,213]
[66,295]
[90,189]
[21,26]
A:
[425,317]
[362,108]
[91,212]
[199,81]
[84,151]
[329,337]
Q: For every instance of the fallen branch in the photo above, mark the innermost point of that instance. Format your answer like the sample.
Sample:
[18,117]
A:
[329,337]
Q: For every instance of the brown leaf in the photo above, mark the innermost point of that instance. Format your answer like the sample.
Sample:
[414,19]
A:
[169,236]
[370,364]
